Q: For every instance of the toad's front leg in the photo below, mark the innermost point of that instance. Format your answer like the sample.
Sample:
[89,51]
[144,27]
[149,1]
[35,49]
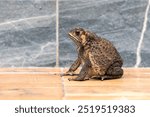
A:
[73,67]
[84,73]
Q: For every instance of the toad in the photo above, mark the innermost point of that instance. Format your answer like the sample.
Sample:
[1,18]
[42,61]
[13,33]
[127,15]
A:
[98,56]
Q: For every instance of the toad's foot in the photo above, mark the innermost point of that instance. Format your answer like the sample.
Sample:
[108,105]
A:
[107,77]
[77,79]
[69,73]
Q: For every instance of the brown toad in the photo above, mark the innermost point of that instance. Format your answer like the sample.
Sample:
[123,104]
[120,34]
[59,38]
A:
[98,56]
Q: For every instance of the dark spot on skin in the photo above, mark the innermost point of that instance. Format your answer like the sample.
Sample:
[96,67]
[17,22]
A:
[103,47]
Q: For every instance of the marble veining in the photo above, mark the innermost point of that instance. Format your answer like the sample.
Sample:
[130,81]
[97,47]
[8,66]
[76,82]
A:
[138,59]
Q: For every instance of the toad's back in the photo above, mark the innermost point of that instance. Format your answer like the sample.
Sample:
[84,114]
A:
[103,54]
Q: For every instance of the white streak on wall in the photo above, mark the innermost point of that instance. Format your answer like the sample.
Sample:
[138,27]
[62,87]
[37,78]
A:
[138,52]
[25,19]
[42,49]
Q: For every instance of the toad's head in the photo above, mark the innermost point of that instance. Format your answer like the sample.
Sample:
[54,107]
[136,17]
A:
[81,36]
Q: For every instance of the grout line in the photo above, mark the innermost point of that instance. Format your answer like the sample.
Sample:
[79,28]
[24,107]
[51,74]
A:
[57,33]
[63,86]
[138,53]
[109,94]
[15,72]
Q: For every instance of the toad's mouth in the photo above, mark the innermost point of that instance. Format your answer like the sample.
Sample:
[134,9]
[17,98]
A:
[74,38]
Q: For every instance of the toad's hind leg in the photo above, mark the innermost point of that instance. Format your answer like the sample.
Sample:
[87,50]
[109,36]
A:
[113,72]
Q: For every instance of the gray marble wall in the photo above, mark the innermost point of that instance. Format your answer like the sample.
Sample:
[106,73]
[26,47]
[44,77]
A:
[28,33]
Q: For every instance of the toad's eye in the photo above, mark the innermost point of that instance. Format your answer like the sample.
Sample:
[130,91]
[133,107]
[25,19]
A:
[77,32]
